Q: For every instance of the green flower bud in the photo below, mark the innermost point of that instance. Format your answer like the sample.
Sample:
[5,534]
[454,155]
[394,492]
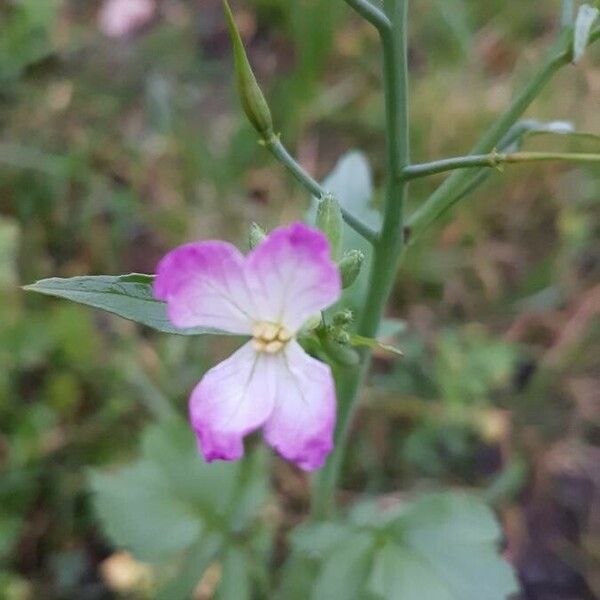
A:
[343,317]
[331,222]
[350,267]
[256,235]
[253,101]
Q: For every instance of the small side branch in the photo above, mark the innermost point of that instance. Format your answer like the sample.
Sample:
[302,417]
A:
[279,151]
[371,13]
[493,160]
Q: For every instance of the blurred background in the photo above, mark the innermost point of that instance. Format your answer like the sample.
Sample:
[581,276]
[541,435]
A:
[121,141]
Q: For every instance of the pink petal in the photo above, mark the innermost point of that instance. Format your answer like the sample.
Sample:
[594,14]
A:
[118,18]
[292,276]
[204,286]
[233,399]
[301,425]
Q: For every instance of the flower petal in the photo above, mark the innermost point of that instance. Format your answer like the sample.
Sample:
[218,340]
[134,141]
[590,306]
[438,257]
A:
[292,276]
[204,285]
[233,399]
[301,425]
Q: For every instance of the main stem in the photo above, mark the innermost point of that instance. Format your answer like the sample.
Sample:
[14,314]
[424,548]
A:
[387,249]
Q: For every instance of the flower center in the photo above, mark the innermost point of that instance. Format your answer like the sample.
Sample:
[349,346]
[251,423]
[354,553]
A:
[270,337]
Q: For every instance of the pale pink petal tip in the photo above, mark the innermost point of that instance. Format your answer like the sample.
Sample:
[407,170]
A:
[120,18]
[292,275]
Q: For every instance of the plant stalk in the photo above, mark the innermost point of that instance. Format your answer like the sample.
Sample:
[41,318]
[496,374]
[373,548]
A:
[387,250]
[446,195]
[493,160]
[279,151]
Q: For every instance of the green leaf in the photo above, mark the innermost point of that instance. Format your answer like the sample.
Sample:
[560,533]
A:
[129,296]
[586,18]
[172,509]
[440,547]
[345,570]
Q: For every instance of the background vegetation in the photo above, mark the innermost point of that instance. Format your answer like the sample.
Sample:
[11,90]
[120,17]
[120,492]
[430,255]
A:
[114,151]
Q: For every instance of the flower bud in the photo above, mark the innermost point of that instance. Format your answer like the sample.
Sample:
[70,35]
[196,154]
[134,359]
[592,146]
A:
[350,267]
[343,317]
[331,222]
[253,101]
[256,235]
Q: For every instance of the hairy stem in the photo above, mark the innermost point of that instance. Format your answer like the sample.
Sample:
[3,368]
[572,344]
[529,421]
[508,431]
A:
[388,248]
[493,160]
[279,151]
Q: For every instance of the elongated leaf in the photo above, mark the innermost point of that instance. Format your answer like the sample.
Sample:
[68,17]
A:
[359,340]
[586,17]
[129,296]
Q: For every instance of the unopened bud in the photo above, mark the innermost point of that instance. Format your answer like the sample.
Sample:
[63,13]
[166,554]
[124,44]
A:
[343,317]
[256,235]
[331,222]
[253,101]
[350,267]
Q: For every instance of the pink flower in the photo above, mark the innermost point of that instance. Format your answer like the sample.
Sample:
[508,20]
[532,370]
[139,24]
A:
[119,18]
[270,382]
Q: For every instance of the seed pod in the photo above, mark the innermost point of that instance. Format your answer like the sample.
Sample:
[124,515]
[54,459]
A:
[256,235]
[253,101]
[331,223]
[350,267]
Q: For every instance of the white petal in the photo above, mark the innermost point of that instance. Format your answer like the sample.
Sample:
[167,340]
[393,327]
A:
[233,399]
[301,425]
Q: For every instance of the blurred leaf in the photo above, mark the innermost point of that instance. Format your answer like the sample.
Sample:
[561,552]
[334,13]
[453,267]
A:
[345,569]
[470,365]
[391,328]
[456,15]
[584,21]
[440,547]
[26,36]
[9,239]
[172,508]
[129,296]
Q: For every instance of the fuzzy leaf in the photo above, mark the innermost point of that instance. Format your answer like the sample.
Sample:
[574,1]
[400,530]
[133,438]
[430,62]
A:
[171,508]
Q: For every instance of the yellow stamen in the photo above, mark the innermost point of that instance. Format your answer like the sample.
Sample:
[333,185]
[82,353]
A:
[270,337]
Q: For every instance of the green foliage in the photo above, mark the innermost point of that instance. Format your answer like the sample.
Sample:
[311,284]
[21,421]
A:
[129,296]
[439,547]
[27,35]
[471,366]
[171,508]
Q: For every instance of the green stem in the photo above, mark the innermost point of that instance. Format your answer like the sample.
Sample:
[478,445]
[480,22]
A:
[279,151]
[371,13]
[388,248]
[494,160]
[446,195]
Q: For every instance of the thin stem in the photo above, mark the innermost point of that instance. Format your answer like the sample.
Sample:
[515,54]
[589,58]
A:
[388,249]
[446,195]
[371,13]
[279,151]
[493,160]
